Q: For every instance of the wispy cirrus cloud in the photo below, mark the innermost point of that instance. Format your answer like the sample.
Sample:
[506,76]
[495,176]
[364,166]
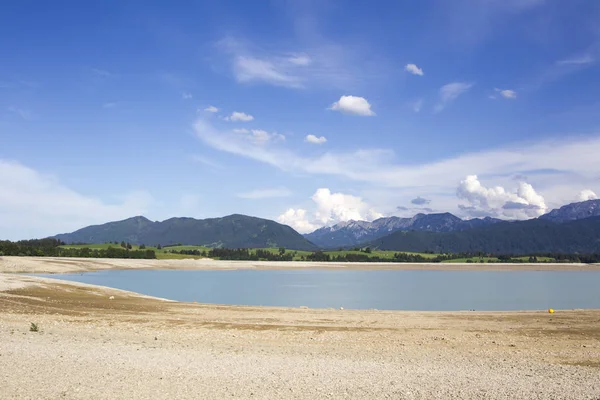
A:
[450,92]
[34,204]
[259,194]
[23,113]
[103,73]
[577,60]
[380,168]
[316,62]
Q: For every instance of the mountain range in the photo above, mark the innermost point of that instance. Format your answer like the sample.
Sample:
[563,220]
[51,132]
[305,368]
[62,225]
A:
[233,231]
[574,228]
[354,233]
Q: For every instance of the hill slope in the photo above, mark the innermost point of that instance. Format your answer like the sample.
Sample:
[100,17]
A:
[353,233]
[522,237]
[574,211]
[233,231]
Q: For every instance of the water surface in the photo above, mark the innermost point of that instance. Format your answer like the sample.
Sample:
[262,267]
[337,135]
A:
[381,289]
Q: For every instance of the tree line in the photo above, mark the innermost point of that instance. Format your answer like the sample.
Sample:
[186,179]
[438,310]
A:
[52,248]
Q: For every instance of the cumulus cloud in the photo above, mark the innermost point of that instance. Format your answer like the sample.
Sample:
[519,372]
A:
[186,95]
[315,139]
[211,109]
[353,105]
[450,92]
[259,136]
[265,193]
[586,194]
[497,201]
[330,208]
[239,117]
[383,170]
[506,93]
[297,219]
[413,69]
[420,201]
[33,204]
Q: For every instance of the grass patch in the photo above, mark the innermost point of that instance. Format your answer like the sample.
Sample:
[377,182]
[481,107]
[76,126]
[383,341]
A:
[33,327]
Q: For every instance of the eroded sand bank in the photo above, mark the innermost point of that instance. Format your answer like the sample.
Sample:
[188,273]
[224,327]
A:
[91,346]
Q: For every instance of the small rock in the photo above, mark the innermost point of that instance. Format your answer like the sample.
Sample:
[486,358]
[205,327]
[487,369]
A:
[341,308]
[111,298]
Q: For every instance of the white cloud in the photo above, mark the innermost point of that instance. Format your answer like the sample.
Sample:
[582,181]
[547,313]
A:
[506,93]
[381,169]
[211,109]
[21,112]
[586,194]
[33,205]
[109,105]
[353,105]
[186,95]
[249,69]
[265,193]
[103,73]
[331,208]
[580,60]
[413,69]
[300,59]
[239,116]
[318,62]
[297,219]
[450,92]
[524,202]
[206,161]
[259,136]
[315,139]
[417,105]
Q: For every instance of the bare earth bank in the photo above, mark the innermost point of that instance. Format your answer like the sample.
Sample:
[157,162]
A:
[91,346]
[56,265]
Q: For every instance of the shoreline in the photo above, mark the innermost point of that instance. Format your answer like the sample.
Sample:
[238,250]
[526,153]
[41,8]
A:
[63,265]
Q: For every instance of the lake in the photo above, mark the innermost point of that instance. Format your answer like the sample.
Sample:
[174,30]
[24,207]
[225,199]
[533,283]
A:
[355,289]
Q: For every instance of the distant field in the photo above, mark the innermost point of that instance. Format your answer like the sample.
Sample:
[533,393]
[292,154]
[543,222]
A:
[494,259]
[164,253]
[387,254]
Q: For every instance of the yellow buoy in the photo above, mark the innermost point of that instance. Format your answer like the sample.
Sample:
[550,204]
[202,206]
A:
[551,310]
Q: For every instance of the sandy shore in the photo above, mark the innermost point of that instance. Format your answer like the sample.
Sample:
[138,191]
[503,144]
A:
[101,343]
[54,265]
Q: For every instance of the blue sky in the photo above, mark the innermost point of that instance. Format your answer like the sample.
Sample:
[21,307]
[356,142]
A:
[306,112]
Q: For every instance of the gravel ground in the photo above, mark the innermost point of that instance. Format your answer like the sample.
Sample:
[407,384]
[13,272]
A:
[90,346]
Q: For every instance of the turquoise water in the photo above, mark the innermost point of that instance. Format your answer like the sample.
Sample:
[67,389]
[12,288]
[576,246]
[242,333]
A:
[384,290]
